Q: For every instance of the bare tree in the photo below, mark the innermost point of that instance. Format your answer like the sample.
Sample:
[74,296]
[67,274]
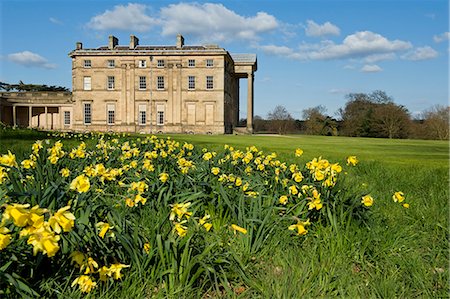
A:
[436,122]
[315,120]
[392,121]
[280,119]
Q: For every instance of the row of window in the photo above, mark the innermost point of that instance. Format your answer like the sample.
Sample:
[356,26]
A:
[160,84]
[111,115]
[111,63]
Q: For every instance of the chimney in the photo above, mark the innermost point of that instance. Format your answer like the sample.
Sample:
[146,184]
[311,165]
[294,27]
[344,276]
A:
[134,41]
[113,42]
[79,46]
[180,41]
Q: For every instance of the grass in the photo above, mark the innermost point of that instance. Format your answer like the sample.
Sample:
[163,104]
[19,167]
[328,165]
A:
[398,253]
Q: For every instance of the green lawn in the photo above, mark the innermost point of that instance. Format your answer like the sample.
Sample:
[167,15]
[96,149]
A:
[398,253]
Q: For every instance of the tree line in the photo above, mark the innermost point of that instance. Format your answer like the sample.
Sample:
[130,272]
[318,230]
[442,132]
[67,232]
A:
[364,115]
[30,87]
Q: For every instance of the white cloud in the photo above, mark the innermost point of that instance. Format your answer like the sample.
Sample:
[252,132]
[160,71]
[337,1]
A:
[277,50]
[131,17]
[214,22]
[360,44]
[30,59]
[314,29]
[55,21]
[338,91]
[380,57]
[422,53]
[363,45]
[441,37]
[371,68]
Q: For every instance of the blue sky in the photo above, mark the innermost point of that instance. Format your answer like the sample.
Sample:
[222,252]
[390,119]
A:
[310,52]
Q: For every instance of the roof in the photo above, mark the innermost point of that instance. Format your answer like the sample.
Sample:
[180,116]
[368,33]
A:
[244,58]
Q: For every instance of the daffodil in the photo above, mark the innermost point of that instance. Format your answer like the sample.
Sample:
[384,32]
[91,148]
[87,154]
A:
[147,247]
[78,258]
[103,227]
[283,199]
[19,213]
[298,152]
[215,170]
[85,283]
[203,222]
[8,159]
[163,177]
[237,228]
[43,239]
[65,172]
[367,200]
[180,229]
[5,237]
[62,219]
[116,268]
[398,196]
[80,183]
[352,160]
[179,210]
[300,227]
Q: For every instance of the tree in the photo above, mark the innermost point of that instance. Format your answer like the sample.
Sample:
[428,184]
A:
[374,115]
[436,122]
[392,121]
[30,87]
[280,119]
[357,115]
[317,123]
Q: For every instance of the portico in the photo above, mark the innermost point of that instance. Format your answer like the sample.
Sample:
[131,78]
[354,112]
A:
[245,66]
[43,110]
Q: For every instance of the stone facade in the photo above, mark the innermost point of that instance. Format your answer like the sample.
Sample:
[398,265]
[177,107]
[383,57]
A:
[149,89]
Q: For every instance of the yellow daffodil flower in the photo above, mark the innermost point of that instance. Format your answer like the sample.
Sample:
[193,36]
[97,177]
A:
[103,227]
[351,160]
[147,247]
[215,170]
[179,210]
[180,229]
[80,184]
[65,172]
[283,199]
[8,159]
[115,270]
[298,152]
[300,227]
[163,177]
[237,228]
[398,196]
[5,238]
[367,200]
[85,283]
[62,219]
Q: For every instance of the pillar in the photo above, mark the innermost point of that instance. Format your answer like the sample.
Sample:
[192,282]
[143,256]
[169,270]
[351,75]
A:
[30,116]
[131,101]
[46,118]
[250,103]
[14,116]
[123,96]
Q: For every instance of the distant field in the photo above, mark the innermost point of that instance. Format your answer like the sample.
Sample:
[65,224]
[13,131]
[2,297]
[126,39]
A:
[392,151]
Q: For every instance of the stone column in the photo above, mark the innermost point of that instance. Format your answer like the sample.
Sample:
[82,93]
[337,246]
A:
[131,103]
[46,118]
[123,96]
[250,103]
[178,100]
[14,116]
[30,116]
[170,87]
